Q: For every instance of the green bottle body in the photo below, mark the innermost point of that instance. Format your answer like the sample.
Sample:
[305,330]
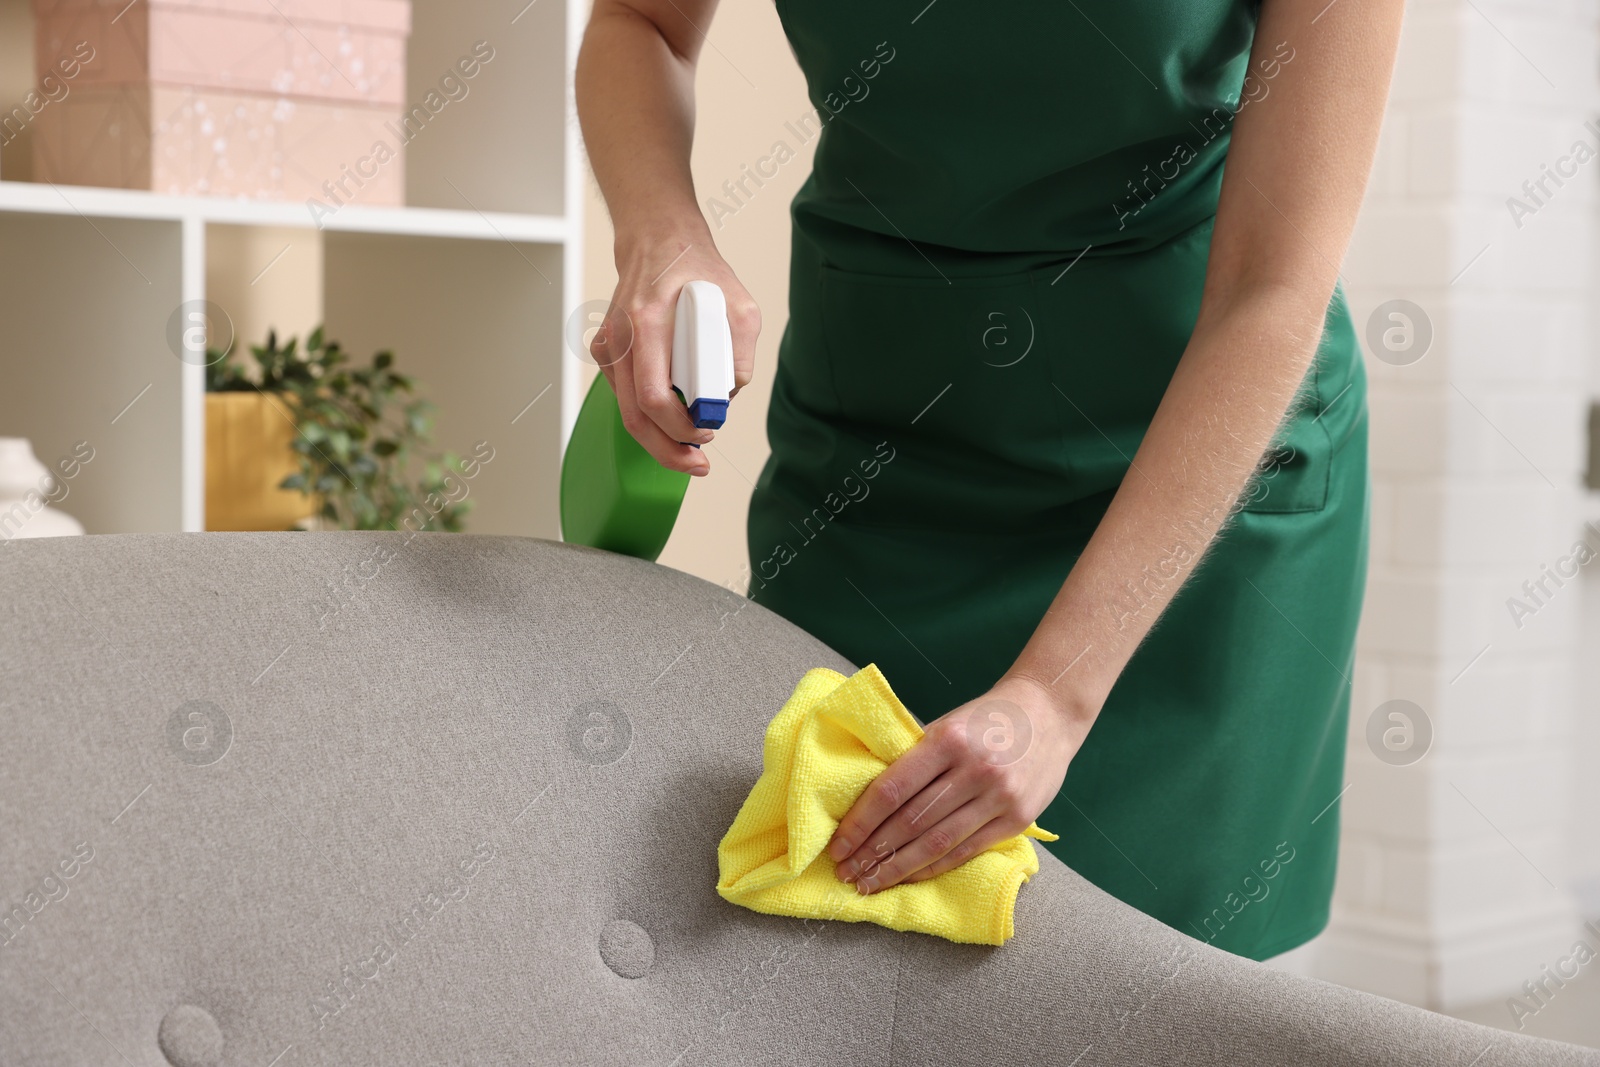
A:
[614,495]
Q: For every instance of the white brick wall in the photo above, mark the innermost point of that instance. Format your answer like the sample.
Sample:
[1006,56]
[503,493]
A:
[1457,871]
[1586,752]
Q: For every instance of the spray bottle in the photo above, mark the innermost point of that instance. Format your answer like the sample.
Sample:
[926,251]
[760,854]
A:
[614,495]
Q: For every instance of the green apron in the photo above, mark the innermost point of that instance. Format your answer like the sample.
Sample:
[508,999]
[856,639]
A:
[997,262]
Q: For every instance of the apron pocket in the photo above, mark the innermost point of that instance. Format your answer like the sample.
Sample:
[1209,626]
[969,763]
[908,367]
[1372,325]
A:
[1295,475]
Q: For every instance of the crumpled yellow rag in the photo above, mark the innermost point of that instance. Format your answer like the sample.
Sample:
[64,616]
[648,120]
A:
[826,745]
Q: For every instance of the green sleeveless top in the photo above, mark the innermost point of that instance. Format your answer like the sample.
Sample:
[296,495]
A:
[997,263]
[1001,136]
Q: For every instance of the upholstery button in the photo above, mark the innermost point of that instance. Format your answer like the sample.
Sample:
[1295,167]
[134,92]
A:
[190,1037]
[626,948]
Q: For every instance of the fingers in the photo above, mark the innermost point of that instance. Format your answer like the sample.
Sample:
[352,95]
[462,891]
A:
[952,839]
[904,778]
[992,833]
[653,395]
[744,323]
[924,811]
[668,452]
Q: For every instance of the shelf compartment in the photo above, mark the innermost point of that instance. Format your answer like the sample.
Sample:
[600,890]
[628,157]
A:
[86,304]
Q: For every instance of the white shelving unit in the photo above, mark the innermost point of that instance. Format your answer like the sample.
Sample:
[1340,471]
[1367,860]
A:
[469,284]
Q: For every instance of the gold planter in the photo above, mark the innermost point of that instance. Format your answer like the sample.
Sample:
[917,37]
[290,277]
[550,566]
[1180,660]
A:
[248,438]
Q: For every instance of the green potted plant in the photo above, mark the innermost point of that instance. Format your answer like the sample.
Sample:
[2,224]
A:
[360,434]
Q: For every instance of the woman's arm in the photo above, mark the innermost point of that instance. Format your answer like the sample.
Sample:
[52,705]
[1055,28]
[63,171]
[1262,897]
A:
[635,95]
[1293,182]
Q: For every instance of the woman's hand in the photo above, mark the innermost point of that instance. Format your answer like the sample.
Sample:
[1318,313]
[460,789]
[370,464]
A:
[980,775]
[634,343]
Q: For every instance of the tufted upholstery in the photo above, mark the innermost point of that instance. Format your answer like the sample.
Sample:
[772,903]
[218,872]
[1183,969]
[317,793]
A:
[291,799]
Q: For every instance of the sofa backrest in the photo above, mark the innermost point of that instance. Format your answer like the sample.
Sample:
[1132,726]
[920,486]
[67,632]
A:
[288,799]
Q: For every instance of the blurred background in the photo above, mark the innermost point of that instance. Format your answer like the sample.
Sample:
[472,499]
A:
[400,188]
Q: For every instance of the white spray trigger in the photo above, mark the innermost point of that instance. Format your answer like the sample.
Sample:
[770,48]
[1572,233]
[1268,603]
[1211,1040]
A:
[702,353]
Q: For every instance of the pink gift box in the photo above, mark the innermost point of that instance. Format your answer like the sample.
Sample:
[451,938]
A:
[257,98]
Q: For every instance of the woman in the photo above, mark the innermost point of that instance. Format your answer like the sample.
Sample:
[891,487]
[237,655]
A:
[1051,373]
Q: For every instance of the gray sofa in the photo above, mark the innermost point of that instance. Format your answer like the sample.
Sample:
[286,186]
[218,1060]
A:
[290,799]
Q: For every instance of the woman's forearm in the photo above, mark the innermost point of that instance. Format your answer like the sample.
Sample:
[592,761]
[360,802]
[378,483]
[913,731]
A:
[1296,170]
[635,97]
[1232,388]
[635,91]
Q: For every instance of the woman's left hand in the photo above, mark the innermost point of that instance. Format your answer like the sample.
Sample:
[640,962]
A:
[981,774]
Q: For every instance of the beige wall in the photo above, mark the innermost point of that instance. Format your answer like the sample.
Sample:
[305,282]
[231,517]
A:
[748,87]
[266,278]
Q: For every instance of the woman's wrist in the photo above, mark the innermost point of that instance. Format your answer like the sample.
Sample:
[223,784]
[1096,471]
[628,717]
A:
[1069,705]
[642,238]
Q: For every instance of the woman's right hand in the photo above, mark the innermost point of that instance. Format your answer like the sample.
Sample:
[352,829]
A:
[634,343]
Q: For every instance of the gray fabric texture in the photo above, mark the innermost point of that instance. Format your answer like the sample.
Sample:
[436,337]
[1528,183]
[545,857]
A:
[363,799]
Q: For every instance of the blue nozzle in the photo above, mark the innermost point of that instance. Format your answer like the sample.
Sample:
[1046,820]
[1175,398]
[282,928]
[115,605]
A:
[708,414]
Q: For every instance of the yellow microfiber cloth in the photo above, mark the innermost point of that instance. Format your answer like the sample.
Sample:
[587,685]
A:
[826,745]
